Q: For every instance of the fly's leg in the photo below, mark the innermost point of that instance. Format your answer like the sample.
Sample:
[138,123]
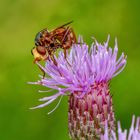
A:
[37,60]
[53,59]
[65,47]
[65,53]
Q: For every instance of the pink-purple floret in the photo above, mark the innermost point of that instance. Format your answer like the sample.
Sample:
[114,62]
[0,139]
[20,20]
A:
[133,134]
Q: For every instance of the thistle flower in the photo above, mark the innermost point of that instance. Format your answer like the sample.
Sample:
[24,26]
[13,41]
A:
[134,132]
[84,76]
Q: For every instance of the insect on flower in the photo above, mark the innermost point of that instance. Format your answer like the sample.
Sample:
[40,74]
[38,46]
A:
[86,83]
[47,42]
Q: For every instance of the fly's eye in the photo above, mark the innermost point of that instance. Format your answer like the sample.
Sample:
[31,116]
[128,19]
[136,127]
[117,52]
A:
[52,44]
[41,50]
[38,35]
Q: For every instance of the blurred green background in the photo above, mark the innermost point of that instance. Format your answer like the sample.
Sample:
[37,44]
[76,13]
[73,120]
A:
[20,20]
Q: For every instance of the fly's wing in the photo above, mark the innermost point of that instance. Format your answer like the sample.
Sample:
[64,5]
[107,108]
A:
[60,30]
[63,32]
[63,25]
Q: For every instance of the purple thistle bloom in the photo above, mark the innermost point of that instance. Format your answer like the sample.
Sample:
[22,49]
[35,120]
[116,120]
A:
[84,76]
[134,132]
